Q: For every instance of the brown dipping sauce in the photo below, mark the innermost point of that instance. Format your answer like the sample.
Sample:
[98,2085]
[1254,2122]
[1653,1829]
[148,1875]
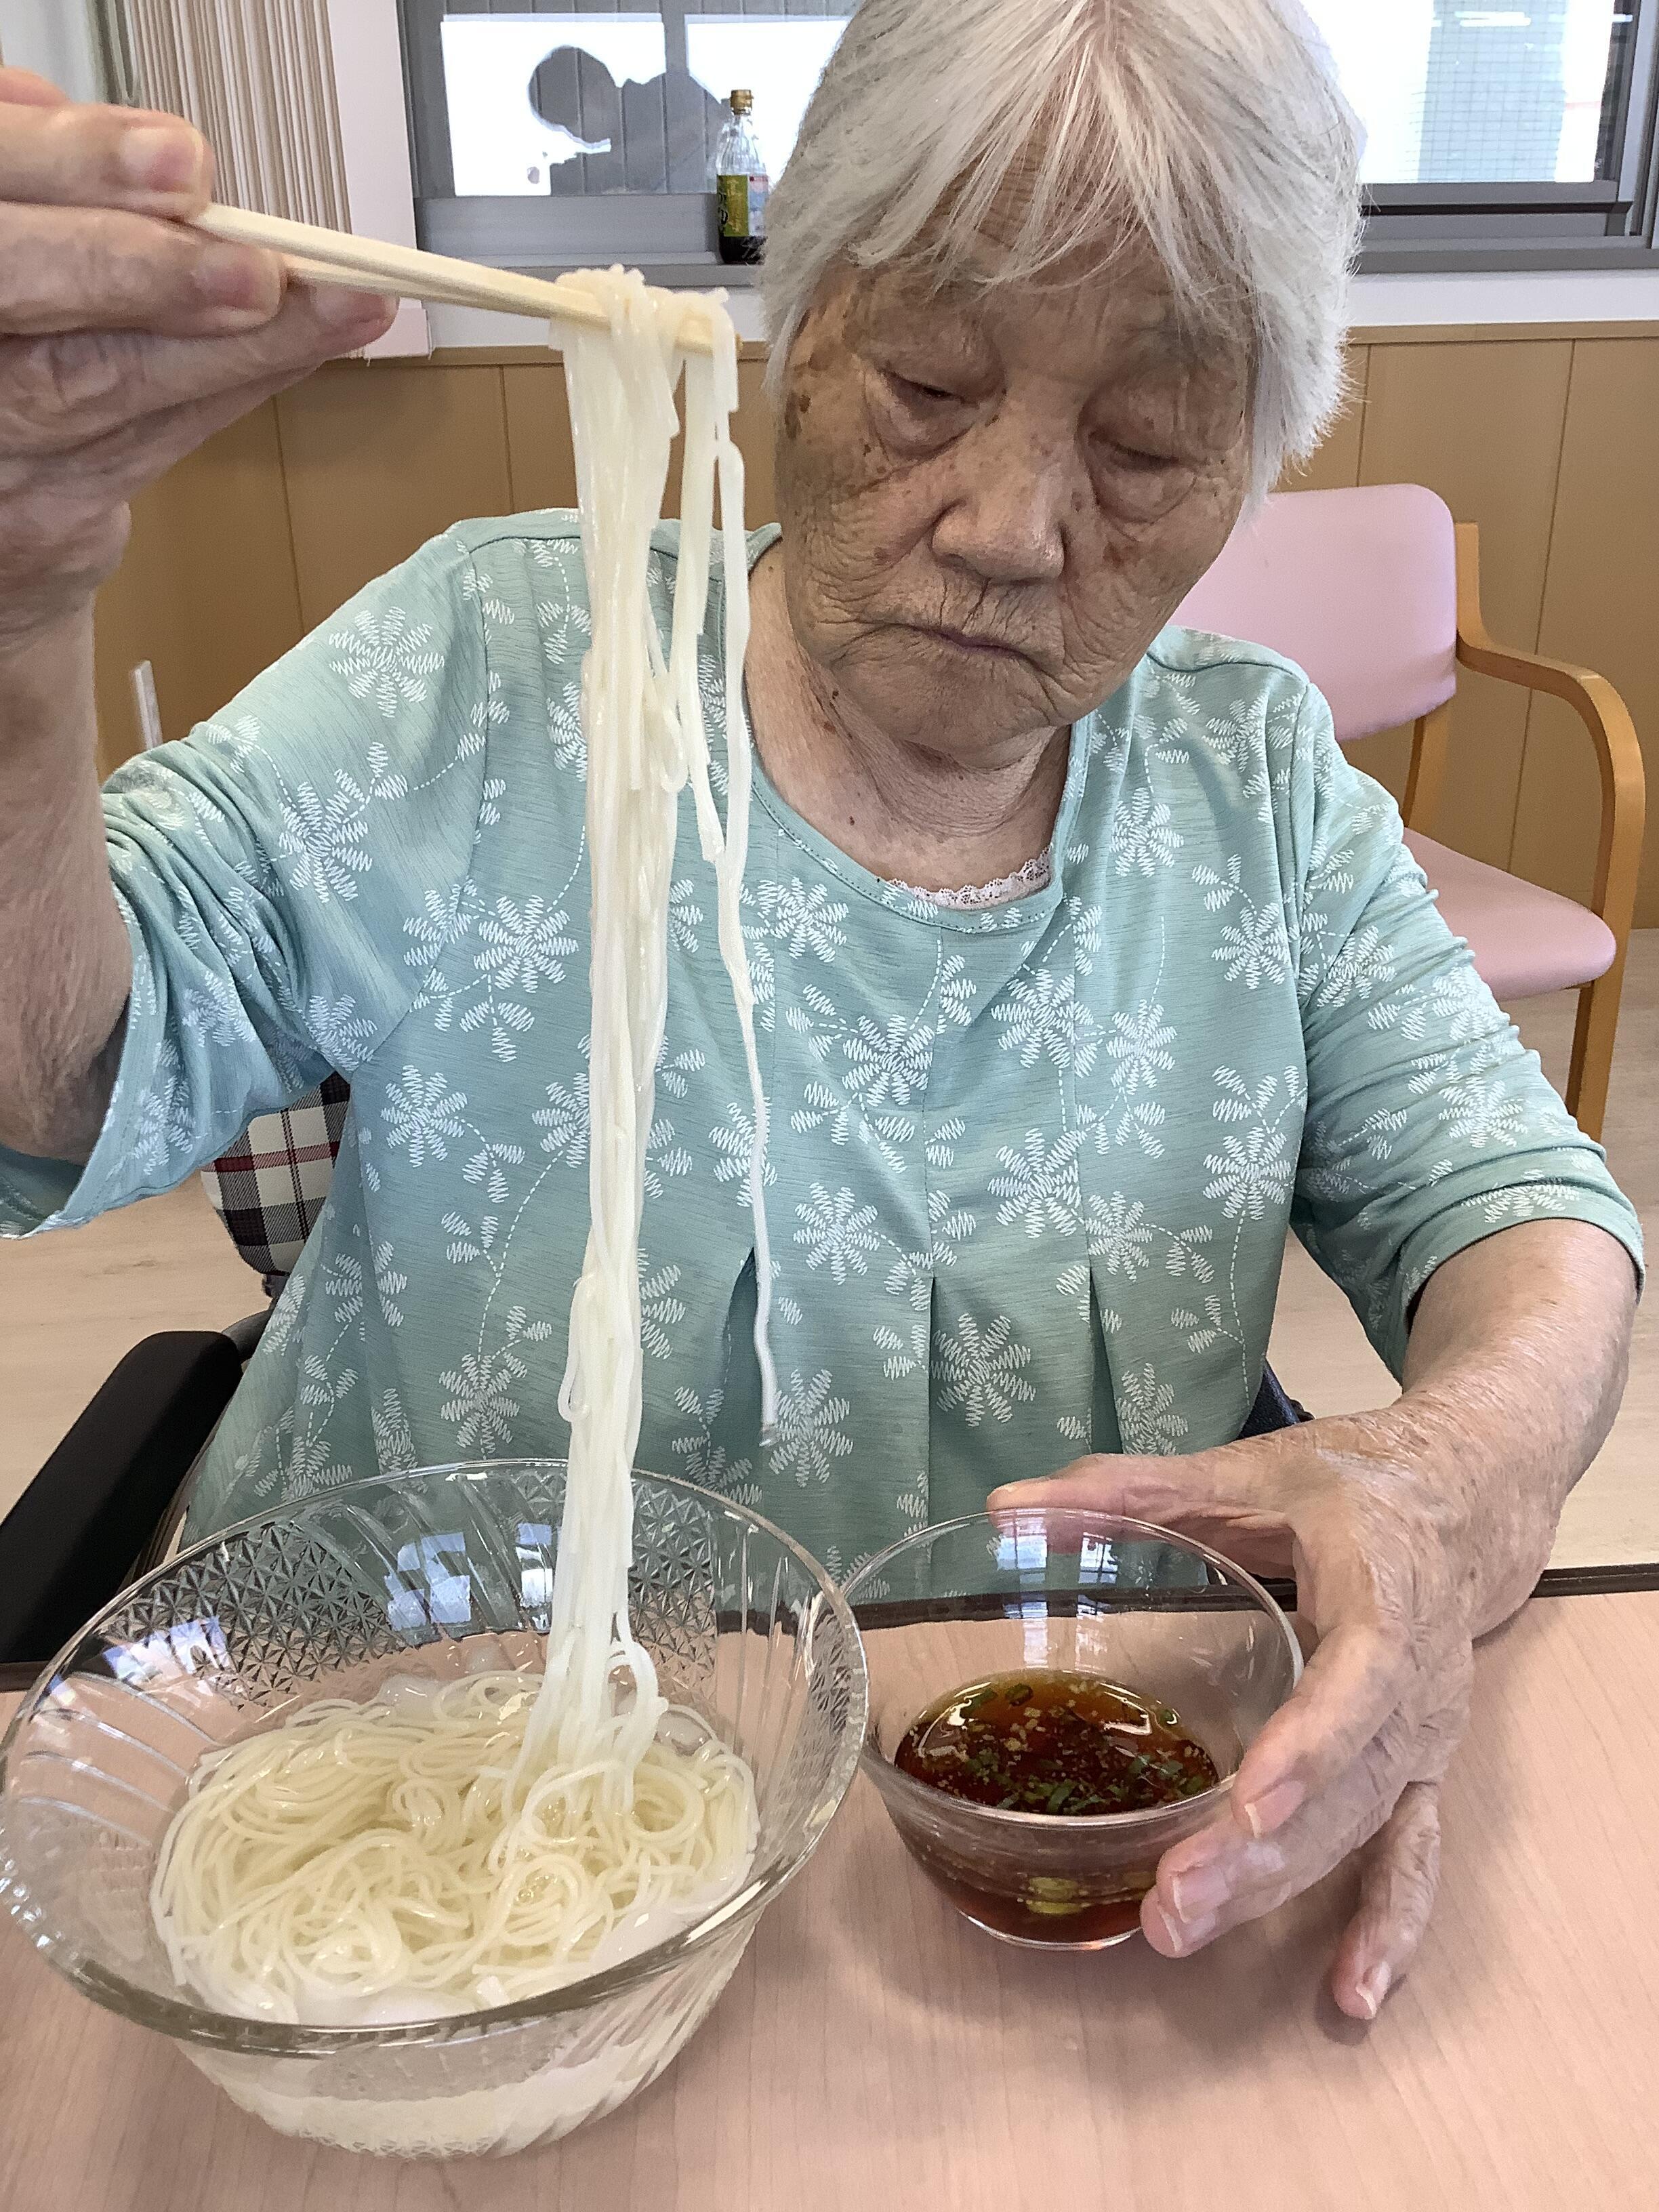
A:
[1045,1741]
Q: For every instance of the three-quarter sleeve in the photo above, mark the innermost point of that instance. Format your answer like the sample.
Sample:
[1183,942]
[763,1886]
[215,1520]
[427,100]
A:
[285,874]
[1429,1125]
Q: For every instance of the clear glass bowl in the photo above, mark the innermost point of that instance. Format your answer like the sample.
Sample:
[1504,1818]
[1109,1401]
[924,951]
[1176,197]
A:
[1084,1593]
[434,1572]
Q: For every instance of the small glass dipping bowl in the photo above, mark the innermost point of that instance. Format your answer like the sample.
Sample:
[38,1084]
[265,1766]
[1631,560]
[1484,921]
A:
[1078,1592]
[434,1574]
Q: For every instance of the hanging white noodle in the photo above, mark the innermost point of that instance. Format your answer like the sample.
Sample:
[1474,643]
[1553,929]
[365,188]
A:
[444,1847]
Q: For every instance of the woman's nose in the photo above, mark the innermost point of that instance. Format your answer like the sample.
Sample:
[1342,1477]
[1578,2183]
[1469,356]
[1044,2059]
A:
[1005,521]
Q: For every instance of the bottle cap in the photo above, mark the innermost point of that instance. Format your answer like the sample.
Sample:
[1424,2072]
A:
[743,103]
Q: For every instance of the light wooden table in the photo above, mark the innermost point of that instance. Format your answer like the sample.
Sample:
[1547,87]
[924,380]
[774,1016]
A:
[875,2053]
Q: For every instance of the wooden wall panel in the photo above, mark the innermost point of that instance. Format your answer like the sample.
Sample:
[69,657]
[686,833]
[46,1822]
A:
[751,433]
[207,592]
[542,465]
[1599,610]
[1481,424]
[380,458]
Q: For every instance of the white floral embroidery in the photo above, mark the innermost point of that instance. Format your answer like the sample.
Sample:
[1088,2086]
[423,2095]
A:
[1251,1173]
[979,1369]
[684,914]
[1038,1185]
[1118,1236]
[1253,948]
[394,1443]
[733,1142]
[1146,1413]
[659,1311]
[706,1463]
[385,659]
[836,1232]
[389,1286]
[421,1113]
[1142,840]
[480,589]
[324,838]
[339,1032]
[1478,1113]
[810,1438]
[803,918]
[564,727]
[663,1157]
[167,1120]
[1138,1048]
[564,1121]
[1042,1017]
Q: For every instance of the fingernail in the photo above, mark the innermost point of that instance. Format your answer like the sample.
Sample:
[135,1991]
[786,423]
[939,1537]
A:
[1200,1891]
[160,157]
[232,277]
[1186,1934]
[1273,1807]
[338,310]
[1373,1988]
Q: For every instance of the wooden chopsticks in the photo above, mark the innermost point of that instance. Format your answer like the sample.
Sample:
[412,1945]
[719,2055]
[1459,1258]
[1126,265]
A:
[331,257]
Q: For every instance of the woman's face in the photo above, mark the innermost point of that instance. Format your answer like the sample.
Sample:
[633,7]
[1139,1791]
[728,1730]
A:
[993,503]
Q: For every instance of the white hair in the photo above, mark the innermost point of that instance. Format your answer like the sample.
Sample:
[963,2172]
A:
[1211,129]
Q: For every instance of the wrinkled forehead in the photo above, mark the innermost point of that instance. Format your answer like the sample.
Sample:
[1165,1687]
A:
[1099,317]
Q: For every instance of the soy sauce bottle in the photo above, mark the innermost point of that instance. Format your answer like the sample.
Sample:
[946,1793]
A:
[741,184]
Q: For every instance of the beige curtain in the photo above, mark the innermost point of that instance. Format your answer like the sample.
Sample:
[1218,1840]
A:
[256,77]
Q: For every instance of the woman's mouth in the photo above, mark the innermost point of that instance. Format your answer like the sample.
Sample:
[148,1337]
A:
[974,642]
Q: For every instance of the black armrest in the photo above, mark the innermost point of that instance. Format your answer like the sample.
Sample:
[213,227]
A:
[71,1540]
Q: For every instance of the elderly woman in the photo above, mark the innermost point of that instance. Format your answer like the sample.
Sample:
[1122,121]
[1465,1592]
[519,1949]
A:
[1087,966]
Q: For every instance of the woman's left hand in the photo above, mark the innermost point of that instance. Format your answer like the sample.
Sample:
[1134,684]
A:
[1370,1524]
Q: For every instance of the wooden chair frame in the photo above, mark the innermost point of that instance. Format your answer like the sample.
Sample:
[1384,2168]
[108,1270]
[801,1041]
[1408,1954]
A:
[1624,811]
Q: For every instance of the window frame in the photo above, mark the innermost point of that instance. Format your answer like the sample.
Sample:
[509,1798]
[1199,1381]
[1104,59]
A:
[1410,230]
[1607,223]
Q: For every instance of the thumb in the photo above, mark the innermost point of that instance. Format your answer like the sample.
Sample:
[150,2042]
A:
[1238,1487]
[24,87]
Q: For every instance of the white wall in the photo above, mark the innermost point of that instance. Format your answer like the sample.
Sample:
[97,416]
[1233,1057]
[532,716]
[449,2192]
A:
[1545,295]
[368,86]
[54,39]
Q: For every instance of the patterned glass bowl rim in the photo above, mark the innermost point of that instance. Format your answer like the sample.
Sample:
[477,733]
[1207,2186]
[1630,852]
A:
[1113,1827]
[202,2024]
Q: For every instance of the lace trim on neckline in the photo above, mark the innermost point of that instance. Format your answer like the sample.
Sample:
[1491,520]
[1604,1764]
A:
[1036,876]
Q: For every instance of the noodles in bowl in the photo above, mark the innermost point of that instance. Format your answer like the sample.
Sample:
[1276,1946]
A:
[442,1852]
[336,1600]
[431,1911]
[458,1881]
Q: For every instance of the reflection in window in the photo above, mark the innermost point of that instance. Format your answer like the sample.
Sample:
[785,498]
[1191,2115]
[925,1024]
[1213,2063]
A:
[1463,94]
[584,103]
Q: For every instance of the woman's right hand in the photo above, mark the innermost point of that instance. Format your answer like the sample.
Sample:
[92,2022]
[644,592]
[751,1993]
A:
[127,339]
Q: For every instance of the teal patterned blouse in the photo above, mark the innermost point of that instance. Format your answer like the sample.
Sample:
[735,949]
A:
[1032,1166]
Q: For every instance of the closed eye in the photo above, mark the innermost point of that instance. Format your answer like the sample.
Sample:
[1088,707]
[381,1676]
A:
[934,395]
[1142,463]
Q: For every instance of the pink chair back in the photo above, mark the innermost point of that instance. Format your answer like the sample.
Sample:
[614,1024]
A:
[1359,588]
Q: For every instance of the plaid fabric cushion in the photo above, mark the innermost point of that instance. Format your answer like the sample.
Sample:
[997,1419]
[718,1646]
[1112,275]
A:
[270,1188]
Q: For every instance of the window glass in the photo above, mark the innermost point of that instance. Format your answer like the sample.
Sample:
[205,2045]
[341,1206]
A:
[1463,94]
[588,102]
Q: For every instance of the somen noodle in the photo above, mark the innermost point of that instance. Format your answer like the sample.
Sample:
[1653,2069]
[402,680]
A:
[448,1846]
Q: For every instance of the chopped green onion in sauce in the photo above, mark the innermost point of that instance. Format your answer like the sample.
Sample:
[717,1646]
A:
[1048,1741]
